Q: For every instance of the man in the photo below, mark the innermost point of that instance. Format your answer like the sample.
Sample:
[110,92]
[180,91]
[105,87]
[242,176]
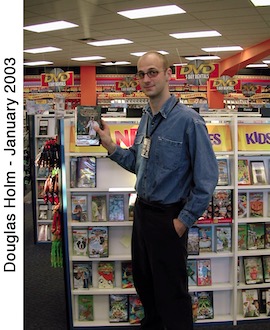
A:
[91,128]
[176,172]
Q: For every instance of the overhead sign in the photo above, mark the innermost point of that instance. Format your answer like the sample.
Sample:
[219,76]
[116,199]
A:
[57,77]
[225,84]
[197,72]
[249,89]
[128,85]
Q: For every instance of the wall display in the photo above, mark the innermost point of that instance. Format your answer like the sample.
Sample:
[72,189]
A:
[225,242]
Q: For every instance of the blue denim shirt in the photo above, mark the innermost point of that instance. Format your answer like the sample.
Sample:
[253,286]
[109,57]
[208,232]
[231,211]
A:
[181,165]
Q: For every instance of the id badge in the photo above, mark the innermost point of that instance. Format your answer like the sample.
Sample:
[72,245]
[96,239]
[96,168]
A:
[146,147]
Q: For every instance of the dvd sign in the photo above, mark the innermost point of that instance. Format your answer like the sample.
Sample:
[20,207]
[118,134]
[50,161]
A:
[225,84]
[197,72]
[57,78]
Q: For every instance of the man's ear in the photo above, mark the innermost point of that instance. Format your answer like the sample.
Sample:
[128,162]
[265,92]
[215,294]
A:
[168,74]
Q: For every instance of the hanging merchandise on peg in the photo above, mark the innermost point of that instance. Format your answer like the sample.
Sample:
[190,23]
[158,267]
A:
[49,155]
[56,250]
[49,159]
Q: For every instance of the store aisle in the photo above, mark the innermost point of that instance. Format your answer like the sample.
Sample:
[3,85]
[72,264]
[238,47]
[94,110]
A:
[44,292]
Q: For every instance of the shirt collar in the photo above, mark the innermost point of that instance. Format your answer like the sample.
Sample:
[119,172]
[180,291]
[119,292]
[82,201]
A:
[166,108]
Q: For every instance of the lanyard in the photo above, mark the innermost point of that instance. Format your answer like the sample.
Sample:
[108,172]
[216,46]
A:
[147,139]
[147,134]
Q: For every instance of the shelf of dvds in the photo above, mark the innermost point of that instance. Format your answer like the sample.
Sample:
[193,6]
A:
[253,218]
[100,234]
[215,238]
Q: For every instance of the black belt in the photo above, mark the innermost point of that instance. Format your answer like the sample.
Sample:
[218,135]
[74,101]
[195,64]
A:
[159,205]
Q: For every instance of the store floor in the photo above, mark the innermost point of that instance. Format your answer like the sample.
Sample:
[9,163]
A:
[45,303]
[45,306]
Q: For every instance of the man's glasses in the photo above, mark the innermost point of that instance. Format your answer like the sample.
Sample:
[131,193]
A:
[150,74]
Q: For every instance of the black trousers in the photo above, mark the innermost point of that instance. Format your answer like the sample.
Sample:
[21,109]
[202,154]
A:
[159,258]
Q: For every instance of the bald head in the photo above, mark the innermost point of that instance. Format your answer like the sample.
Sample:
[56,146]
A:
[155,56]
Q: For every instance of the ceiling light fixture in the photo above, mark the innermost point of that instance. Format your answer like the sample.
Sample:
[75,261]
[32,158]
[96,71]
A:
[179,64]
[42,50]
[258,3]
[115,63]
[199,34]
[222,49]
[88,58]
[37,63]
[152,12]
[210,57]
[257,65]
[110,42]
[51,26]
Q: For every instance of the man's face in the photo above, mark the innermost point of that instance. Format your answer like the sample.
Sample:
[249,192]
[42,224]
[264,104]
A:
[153,86]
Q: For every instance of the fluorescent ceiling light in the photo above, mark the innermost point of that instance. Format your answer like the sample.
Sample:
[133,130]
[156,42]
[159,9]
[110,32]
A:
[211,57]
[162,52]
[37,63]
[257,65]
[222,49]
[139,54]
[52,26]
[110,42]
[258,3]
[88,58]
[266,61]
[116,63]
[42,50]
[152,12]
[179,64]
[199,34]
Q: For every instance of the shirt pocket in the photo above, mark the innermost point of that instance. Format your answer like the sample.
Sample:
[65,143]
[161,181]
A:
[168,153]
